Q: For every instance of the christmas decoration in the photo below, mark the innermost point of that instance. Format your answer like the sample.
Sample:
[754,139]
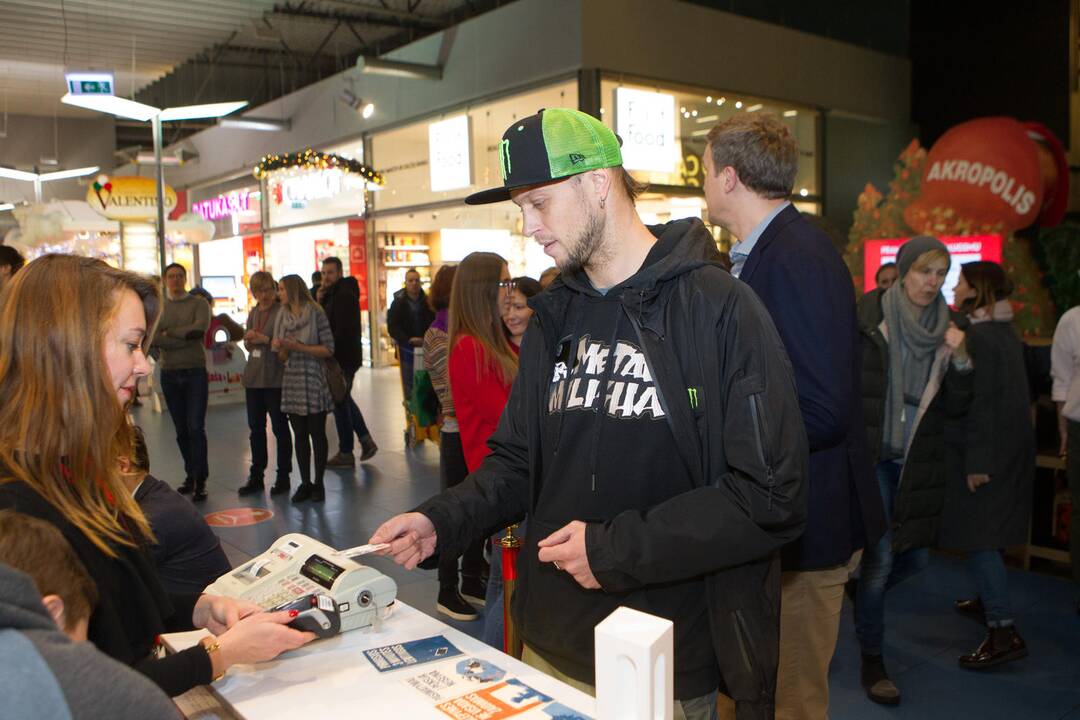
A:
[314,160]
[879,216]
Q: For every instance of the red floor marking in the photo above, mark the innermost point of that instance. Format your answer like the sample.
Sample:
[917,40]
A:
[238,517]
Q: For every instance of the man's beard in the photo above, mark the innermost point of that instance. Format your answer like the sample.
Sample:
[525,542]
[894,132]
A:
[582,250]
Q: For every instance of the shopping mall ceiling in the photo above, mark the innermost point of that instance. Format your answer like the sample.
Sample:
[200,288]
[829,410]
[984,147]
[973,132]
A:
[182,52]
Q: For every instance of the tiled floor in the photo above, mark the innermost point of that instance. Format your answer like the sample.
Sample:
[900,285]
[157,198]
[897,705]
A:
[923,639]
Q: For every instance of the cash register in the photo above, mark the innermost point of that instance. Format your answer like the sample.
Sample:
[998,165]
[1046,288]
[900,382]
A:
[297,565]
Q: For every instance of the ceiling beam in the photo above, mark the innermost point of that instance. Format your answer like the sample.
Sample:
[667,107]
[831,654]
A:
[304,11]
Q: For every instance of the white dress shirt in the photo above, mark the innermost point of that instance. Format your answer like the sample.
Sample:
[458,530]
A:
[1065,364]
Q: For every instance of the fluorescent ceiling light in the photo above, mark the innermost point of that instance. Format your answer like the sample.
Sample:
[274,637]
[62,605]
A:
[754,108]
[4,207]
[147,158]
[254,123]
[396,68]
[66,174]
[112,105]
[210,110]
[12,174]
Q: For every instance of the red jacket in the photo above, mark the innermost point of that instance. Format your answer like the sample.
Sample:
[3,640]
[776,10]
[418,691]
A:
[479,397]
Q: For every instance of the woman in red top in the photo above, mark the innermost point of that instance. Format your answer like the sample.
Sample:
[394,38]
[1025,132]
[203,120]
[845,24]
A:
[483,363]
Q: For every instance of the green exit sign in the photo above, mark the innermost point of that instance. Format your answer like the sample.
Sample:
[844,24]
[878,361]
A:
[90,83]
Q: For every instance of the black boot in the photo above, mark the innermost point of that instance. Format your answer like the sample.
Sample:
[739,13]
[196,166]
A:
[303,492]
[318,493]
[281,486]
[200,490]
[368,448]
[186,487]
[1002,645]
[876,682]
[972,609]
[254,486]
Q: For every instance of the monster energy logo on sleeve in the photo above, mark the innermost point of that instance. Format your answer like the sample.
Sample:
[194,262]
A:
[504,157]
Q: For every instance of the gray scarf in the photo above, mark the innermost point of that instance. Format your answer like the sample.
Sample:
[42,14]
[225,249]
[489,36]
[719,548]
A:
[915,334]
[301,328]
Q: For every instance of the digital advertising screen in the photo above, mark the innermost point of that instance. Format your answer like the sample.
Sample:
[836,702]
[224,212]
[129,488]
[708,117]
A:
[962,249]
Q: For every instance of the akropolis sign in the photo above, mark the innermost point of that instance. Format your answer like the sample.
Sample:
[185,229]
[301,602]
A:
[127,198]
[994,171]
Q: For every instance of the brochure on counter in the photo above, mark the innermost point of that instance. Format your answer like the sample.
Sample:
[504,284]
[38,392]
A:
[463,687]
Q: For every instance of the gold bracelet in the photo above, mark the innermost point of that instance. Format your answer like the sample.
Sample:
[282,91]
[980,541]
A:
[212,645]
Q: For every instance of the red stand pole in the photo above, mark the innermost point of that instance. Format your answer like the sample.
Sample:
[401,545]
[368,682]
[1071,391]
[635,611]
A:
[510,545]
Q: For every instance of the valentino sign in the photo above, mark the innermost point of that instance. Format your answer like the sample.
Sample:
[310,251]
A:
[127,198]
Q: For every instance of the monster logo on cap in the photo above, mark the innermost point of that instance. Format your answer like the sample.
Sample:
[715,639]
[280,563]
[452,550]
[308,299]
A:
[550,145]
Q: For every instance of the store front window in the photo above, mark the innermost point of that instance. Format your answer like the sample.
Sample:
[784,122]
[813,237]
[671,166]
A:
[664,129]
[420,220]
[227,262]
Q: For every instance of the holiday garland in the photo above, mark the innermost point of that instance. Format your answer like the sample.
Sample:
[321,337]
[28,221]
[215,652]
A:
[314,160]
[879,216]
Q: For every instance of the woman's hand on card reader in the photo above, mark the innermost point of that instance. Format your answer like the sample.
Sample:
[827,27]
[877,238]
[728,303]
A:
[258,638]
[411,537]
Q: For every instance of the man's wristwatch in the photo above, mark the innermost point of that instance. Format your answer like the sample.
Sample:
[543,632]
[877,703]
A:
[212,645]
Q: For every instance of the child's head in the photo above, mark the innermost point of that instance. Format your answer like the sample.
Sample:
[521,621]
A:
[38,549]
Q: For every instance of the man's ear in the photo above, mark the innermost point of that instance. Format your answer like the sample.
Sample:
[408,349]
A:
[729,179]
[55,605]
[601,181]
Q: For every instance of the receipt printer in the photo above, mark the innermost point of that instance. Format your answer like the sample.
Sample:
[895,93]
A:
[297,566]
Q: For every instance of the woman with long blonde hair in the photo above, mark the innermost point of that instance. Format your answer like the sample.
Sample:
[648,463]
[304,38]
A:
[303,341]
[73,337]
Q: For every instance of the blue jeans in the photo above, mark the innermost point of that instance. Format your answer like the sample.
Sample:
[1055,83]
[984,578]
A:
[494,622]
[881,569]
[260,403]
[186,395]
[349,419]
[988,569]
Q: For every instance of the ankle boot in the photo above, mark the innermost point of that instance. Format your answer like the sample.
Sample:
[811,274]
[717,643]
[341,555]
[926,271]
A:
[318,493]
[254,486]
[368,448]
[876,682]
[186,487]
[281,486]
[971,608]
[303,492]
[1001,645]
[200,490]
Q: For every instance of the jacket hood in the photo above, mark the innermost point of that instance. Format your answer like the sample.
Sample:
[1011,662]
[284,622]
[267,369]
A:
[683,245]
[20,602]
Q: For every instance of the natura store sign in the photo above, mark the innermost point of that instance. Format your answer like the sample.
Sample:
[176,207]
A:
[127,198]
[223,206]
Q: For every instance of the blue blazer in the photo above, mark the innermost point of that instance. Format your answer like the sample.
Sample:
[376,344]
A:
[809,293]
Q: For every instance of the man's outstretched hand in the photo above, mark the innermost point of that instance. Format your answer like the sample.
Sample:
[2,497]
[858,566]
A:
[411,538]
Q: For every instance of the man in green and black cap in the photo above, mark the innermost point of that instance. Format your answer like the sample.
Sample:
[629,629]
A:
[652,437]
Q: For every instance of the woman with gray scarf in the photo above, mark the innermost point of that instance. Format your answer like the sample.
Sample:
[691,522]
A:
[303,341]
[915,369]
[991,462]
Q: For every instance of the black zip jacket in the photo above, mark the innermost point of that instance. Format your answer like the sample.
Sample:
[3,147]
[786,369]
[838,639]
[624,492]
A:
[727,390]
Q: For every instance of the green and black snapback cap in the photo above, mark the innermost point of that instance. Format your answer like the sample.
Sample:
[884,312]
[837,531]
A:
[552,144]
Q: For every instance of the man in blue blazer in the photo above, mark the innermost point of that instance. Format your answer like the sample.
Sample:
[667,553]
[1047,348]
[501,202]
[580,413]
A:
[750,167]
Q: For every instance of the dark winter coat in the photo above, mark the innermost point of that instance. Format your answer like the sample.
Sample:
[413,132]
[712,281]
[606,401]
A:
[341,301]
[994,438]
[919,501]
[403,323]
[806,287]
[727,386]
